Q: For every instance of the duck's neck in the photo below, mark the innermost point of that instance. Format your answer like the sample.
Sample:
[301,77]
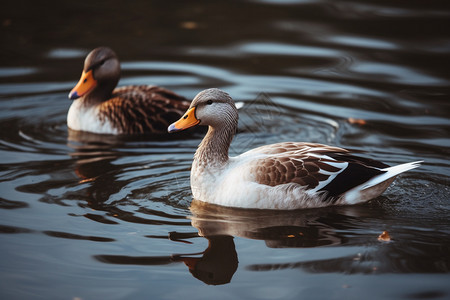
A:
[213,150]
[101,93]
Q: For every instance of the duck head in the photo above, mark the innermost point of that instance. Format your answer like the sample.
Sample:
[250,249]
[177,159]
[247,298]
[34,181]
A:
[100,75]
[211,107]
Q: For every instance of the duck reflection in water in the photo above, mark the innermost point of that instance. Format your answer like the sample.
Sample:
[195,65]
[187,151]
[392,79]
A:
[219,225]
[334,227]
[93,163]
[218,263]
[300,228]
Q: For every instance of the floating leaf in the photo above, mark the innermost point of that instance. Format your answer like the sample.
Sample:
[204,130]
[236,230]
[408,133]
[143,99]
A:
[384,237]
[357,121]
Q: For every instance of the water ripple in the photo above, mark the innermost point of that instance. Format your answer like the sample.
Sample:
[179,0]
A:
[93,211]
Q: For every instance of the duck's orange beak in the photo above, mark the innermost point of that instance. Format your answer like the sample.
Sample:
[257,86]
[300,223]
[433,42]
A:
[190,262]
[188,120]
[84,86]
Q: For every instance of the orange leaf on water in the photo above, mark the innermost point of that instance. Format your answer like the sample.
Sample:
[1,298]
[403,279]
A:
[384,237]
[356,121]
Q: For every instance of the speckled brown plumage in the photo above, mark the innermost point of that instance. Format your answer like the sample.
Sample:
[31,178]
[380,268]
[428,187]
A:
[142,109]
[293,163]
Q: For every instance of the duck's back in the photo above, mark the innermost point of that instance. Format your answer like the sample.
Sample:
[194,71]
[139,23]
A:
[143,109]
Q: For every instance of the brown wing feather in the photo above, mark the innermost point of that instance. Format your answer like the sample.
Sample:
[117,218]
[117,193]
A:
[301,169]
[309,164]
[297,147]
[293,163]
[143,109]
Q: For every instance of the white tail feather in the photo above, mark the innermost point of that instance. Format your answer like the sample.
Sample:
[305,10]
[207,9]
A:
[403,167]
[354,195]
[390,172]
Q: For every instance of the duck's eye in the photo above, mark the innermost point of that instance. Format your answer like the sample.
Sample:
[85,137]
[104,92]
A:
[209,102]
[101,62]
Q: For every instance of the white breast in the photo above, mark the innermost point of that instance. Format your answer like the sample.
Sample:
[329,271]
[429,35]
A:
[84,118]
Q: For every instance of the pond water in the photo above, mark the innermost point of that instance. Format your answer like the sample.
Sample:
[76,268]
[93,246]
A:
[91,217]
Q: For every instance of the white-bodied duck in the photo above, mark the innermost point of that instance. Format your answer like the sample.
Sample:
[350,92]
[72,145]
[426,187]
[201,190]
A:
[289,175]
[100,108]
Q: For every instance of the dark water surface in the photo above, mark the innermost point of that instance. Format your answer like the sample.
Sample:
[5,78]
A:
[101,218]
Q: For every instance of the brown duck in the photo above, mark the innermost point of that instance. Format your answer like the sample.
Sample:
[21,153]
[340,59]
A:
[100,107]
